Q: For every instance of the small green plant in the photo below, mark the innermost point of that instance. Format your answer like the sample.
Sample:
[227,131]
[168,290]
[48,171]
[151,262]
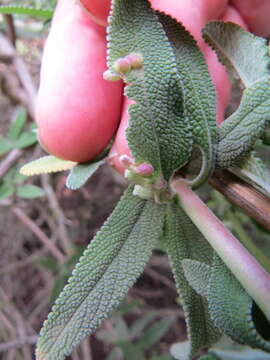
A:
[176,146]
[18,136]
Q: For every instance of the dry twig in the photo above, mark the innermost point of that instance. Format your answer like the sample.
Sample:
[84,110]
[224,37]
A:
[243,195]
[40,234]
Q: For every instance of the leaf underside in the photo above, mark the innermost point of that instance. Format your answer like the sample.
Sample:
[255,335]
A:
[109,267]
[81,173]
[255,172]
[240,131]
[45,165]
[231,307]
[182,241]
[244,54]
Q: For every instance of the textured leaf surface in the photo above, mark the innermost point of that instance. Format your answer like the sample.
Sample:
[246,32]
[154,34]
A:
[182,240]
[158,132]
[231,307]
[45,165]
[109,267]
[198,92]
[81,173]
[240,131]
[197,275]
[255,172]
[26,10]
[244,54]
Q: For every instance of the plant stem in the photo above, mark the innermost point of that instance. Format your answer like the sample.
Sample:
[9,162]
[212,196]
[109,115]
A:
[252,276]
[247,242]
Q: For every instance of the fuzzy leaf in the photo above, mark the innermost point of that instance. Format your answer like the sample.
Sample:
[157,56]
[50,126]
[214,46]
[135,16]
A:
[18,124]
[81,173]
[232,309]
[45,165]
[6,191]
[26,139]
[244,54]
[198,92]
[240,131]
[107,270]
[158,132]
[29,191]
[255,172]
[197,275]
[182,240]
[26,10]
[5,145]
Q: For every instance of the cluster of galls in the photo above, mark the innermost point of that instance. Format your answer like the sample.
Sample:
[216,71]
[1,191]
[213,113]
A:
[148,184]
[123,66]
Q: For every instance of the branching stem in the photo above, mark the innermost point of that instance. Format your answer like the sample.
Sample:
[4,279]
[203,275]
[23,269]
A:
[252,276]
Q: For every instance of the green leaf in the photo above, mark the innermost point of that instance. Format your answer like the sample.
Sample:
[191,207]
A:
[6,191]
[244,54]
[158,132]
[109,267]
[81,173]
[139,325]
[26,139]
[45,165]
[18,124]
[232,309]
[255,172]
[5,145]
[209,357]
[29,192]
[245,354]
[198,93]
[240,131]
[156,332]
[197,275]
[161,357]
[26,10]
[182,241]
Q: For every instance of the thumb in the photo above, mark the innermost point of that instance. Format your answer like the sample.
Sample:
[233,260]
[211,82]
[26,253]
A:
[97,9]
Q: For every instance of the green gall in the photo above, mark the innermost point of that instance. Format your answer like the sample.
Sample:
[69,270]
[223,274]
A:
[135,60]
[122,65]
[108,75]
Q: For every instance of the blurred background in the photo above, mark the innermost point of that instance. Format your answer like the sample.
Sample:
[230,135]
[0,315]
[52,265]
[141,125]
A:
[44,227]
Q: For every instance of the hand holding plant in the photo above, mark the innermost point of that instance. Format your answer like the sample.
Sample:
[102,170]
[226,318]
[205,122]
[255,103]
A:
[167,143]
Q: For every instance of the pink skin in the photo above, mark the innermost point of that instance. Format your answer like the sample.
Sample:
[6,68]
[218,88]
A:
[98,10]
[77,112]
[194,18]
[256,13]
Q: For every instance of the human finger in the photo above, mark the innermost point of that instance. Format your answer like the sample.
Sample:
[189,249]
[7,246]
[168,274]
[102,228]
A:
[77,112]
[256,14]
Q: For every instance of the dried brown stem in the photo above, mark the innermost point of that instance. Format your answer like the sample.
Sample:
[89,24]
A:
[243,195]
[58,214]
[9,160]
[10,28]
[29,340]
[22,72]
